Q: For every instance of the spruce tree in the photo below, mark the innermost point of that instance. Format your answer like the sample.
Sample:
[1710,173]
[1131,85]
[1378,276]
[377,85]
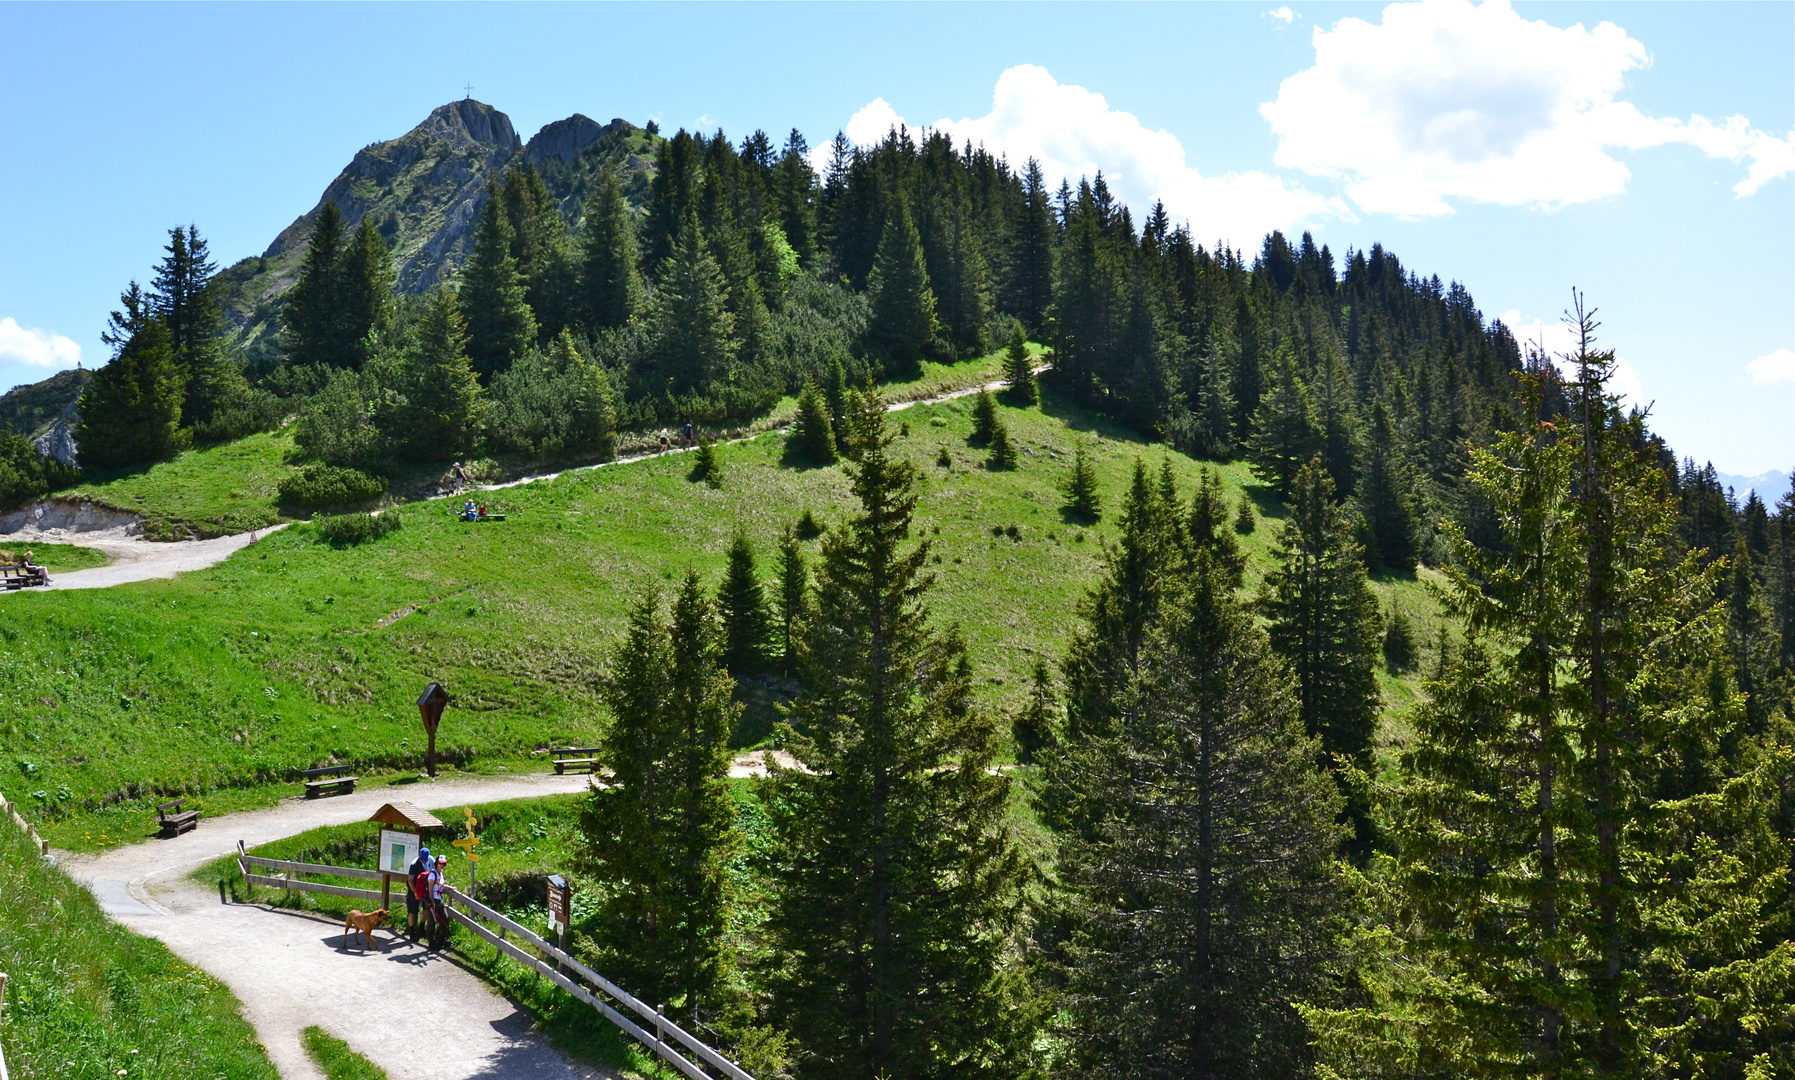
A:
[794,597]
[1003,456]
[1031,251]
[1083,500]
[707,466]
[662,833]
[898,886]
[610,285]
[1205,884]
[500,325]
[1386,498]
[1019,372]
[442,400]
[813,435]
[1285,435]
[1208,527]
[364,293]
[1246,521]
[1213,408]
[311,327]
[984,417]
[743,605]
[131,408]
[186,302]
[903,304]
[1324,620]
[1036,728]
[694,332]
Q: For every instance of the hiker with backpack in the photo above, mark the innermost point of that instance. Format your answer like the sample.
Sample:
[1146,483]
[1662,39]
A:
[420,895]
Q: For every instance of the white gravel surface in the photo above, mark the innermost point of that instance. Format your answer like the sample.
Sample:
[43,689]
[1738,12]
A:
[133,557]
[413,1012]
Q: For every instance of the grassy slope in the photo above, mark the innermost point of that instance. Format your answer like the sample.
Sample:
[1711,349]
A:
[88,999]
[223,681]
[211,492]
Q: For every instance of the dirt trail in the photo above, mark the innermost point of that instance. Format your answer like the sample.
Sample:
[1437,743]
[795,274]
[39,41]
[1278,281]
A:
[413,1012]
[118,534]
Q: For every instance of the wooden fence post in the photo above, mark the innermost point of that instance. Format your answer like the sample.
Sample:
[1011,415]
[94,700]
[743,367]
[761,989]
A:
[3,1073]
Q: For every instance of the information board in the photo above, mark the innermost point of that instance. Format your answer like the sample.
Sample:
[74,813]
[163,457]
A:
[398,850]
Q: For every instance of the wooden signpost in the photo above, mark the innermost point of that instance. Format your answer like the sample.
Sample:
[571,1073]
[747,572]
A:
[559,908]
[430,707]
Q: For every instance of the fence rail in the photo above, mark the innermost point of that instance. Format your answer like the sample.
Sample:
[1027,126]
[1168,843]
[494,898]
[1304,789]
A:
[43,846]
[655,1031]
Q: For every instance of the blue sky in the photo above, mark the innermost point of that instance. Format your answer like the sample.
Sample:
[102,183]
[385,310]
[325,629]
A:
[1520,150]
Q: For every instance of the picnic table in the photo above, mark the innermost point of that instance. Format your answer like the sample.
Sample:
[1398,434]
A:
[575,757]
[23,576]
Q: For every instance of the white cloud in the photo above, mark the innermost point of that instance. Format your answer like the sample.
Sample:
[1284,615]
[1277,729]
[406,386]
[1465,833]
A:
[1775,367]
[36,348]
[1559,341]
[1074,132]
[1449,99]
[1282,14]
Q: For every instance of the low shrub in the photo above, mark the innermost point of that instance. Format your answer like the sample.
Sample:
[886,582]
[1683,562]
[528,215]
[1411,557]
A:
[347,530]
[318,484]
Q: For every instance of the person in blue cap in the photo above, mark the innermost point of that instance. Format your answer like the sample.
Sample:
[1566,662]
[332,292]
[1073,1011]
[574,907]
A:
[418,872]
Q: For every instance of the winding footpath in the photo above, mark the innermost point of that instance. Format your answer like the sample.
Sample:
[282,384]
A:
[414,1012]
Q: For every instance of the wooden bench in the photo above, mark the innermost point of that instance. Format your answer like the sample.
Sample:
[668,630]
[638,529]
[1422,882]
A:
[575,757]
[21,576]
[328,780]
[176,821]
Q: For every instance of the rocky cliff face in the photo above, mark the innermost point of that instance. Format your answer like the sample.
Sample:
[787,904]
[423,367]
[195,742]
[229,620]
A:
[424,191]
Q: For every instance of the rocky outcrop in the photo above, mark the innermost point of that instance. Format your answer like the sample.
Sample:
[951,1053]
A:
[563,140]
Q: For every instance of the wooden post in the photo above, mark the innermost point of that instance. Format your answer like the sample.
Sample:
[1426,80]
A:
[4,1075]
[558,913]
[430,707]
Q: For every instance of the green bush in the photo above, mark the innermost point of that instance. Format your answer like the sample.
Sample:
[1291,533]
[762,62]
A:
[25,474]
[318,484]
[347,530]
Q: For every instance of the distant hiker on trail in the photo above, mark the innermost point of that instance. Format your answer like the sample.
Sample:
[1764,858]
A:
[441,914]
[459,475]
[688,434]
[666,443]
[417,880]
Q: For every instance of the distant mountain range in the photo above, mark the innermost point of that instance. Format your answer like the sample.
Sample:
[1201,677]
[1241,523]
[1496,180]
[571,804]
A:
[425,190]
[1770,486]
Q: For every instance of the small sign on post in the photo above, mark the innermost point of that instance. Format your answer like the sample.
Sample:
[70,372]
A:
[430,707]
[398,850]
[468,843]
[559,909]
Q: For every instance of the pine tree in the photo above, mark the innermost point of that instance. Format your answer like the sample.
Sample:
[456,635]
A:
[1285,435]
[707,466]
[1019,372]
[1246,521]
[131,409]
[1004,455]
[1399,644]
[1386,499]
[693,328]
[500,325]
[794,597]
[442,400]
[743,606]
[984,417]
[898,887]
[1324,620]
[1205,885]
[311,329]
[1083,500]
[1585,845]
[185,301]
[1213,408]
[364,296]
[1031,252]
[662,831]
[1208,527]
[610,286]
[813,435]
[903,304]
[1036,728]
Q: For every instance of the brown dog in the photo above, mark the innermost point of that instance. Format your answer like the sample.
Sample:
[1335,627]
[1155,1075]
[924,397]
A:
[363,922]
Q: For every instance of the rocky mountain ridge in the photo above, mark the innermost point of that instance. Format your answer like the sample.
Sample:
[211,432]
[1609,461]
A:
[425,190]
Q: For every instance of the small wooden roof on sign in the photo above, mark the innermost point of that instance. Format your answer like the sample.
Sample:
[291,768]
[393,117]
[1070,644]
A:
[405,815]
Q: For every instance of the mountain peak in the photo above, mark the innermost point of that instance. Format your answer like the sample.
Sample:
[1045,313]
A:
[468,120]
[564,139]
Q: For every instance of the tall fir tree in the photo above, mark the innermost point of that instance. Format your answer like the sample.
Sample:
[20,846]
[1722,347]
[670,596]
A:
[311,330]
[131,408]
[440,413]
[694,330]
[187,304]
[1083,498]
[610,285]
[1206,883]
[742,604]
[899,887]
[500,325]
[364,294]
[662,832]
[813,433]
[794,597]
[1019,372]
[1324,621]
[1284,433]
[1387,496]
[903,303]
[1210,527]
[1031,251]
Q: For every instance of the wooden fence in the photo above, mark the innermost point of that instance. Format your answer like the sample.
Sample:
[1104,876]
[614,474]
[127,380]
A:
[43,846]
[672,1043]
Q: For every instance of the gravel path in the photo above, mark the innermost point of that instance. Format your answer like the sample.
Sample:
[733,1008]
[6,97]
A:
[413,1012]
[133,557]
